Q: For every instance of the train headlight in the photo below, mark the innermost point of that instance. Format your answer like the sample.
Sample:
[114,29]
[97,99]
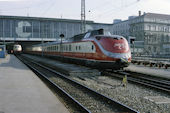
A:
[124,60]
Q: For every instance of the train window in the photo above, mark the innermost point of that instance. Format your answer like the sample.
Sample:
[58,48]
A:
[87,35]
[79,47]
[92,47]
[76,47]
[66,47]
[69,47]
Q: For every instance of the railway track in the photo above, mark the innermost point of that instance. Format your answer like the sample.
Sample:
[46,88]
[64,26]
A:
[84,98]
[143,79]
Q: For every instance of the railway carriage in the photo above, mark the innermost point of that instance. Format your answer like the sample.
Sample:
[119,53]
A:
[17,49]
[95,49]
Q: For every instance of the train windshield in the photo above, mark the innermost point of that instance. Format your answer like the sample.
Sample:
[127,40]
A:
[97,32]
[107,33]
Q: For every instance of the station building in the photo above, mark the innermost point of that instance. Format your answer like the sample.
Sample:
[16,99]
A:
[36,29]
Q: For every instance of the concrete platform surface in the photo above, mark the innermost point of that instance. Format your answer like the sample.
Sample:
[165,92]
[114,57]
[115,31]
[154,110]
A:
[165,73]
[21,91]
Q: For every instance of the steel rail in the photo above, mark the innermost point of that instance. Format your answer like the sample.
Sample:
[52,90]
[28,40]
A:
[109,101]
[57,89]
[144,80]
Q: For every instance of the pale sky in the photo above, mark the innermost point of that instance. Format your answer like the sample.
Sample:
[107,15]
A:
[103,11]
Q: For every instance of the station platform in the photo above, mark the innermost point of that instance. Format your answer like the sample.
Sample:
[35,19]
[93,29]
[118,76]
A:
[164,73]
[21,91]
[64,68]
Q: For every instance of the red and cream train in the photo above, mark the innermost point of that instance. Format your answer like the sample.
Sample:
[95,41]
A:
[95,48]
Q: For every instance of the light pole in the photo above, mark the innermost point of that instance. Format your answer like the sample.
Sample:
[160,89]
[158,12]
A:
[42,42]
[61,36]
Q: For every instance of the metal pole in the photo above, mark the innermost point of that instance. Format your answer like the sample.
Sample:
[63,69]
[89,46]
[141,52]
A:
[42,48]
[133,49]
[3,32]
[83,17]
[61,36]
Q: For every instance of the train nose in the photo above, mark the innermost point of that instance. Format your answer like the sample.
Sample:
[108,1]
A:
[123,62]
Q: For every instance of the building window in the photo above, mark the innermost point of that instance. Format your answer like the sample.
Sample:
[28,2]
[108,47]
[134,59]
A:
[166,49]
[149,27]
[154,28]
[154,49]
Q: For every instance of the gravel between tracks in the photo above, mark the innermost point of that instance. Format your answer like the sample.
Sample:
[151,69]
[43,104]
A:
[132,95]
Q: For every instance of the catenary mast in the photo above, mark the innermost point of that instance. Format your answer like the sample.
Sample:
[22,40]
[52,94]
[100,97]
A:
[83,17]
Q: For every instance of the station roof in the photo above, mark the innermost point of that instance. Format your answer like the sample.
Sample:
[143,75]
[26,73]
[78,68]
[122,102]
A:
[42,19]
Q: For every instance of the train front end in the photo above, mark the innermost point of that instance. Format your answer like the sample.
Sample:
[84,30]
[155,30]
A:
[116,48]
[17,49]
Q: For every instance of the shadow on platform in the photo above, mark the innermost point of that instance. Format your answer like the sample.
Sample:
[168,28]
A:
[12,61]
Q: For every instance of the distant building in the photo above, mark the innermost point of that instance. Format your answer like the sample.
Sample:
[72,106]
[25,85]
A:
[116,21]
[131,17]
[121,28]
[153,29]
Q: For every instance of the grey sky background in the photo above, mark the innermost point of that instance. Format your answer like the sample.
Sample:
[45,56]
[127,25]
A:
[103,11]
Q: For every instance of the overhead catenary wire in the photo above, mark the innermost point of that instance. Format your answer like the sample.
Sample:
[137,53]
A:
[49,7]
[100,5]
[115,9]
[118,9]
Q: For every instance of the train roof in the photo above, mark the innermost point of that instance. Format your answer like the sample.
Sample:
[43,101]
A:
[45,44]
[111,36]
[82,36]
